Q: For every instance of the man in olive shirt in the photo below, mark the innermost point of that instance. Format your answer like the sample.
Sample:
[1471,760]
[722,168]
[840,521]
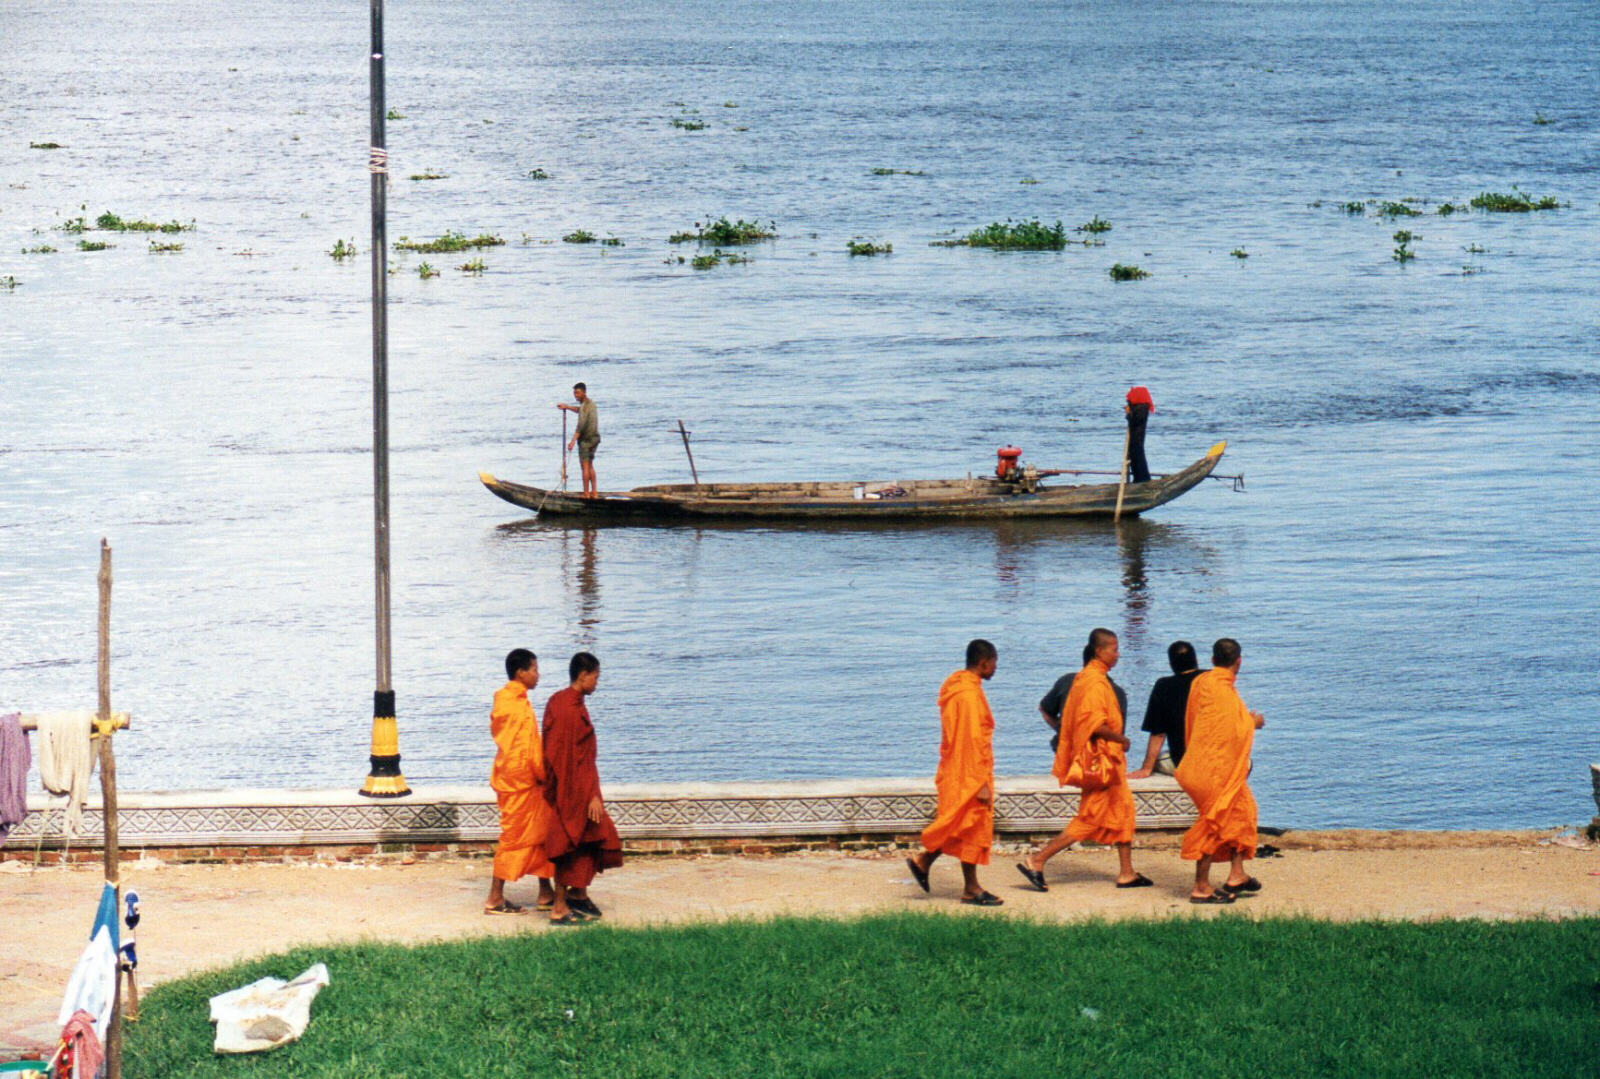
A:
[1164,715]
[586,437]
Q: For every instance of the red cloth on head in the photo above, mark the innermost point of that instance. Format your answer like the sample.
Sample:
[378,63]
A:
[1141,396]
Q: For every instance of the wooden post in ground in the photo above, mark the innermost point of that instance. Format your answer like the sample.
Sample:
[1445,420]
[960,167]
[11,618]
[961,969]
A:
[1122,481]
[108,791]
[686,450]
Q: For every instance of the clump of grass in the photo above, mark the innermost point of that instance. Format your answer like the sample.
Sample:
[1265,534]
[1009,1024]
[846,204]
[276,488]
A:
[538,174]
[110,222]
[1032,235]
[1402,249]
[73,224]
[1396,209]
[41,249]
[1448,208]
[686,124]
[159,248]
[473,266]
[1540,119]
[425,271]
[430,176]
[612,241]
[1119,272]
[93,245]
[1353,207]
[1475,249]
[394,114]
[725,233]
[449,243]
[1027,180]
[342,250]
[1239,253]
[8,282]
[898,172]
[1094,226]
[1518,202]
[44,146]
[730,104]
[578,236]
[867,247]
[716,258]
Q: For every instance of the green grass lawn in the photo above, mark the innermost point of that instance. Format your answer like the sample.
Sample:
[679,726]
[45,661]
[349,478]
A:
[929,996]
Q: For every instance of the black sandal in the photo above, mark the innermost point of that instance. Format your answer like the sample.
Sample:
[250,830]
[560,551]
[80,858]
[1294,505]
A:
[1139,881]
[505,906]
[983,899]
[1034,877]
[918,874]
[1248,887]
[1215,898]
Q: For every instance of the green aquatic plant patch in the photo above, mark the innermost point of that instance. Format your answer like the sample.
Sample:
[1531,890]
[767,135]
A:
[425,271]
[1397,209]
[39,249]
[44,146]
[1094,225]
[430,175]
[1518,202]
[473,266]
[579,236]
[1031,235]
[867,247]
[448,243]
[110,222]
[686,124]
[342,250]
[1119,272]
[93,245]
[916,995]
[725,233]
[898,172]
[159,248]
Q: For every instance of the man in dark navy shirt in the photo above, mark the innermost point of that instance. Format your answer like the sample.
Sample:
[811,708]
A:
[1163,716]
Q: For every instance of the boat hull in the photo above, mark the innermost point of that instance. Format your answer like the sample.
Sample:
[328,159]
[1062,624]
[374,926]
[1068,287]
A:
[980,498]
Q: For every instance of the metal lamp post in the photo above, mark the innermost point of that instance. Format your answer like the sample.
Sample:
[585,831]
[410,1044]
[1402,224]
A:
[385,779]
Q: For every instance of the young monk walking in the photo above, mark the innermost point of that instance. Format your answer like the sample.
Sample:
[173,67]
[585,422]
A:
[518,781]
[581,840]
[1090,720]
[963,824]
[1216,764]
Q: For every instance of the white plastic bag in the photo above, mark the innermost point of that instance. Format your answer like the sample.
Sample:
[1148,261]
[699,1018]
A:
[267,1013]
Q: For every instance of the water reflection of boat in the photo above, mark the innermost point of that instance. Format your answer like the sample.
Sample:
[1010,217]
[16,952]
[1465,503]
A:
[1020,495]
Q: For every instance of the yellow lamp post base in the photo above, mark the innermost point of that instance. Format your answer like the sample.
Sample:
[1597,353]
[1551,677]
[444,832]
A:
[385,780]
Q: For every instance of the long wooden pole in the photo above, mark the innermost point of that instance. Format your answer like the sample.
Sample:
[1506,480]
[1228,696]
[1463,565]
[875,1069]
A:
[686,450]
[1122,481]
[108,791]
[563,449]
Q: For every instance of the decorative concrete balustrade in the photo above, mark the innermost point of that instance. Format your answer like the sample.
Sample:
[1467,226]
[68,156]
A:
[237,824]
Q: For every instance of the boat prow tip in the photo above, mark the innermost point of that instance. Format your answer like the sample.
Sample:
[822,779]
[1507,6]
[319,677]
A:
[1214,451]
[487,479]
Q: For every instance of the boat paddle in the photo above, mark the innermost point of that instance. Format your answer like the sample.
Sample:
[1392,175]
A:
[563,449]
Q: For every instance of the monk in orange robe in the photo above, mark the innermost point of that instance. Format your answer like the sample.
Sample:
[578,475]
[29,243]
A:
[1105,813]
[1220,732]
[963,825]
[582,840]
[518,781]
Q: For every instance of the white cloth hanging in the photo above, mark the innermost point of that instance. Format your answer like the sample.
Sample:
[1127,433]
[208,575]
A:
[65,761]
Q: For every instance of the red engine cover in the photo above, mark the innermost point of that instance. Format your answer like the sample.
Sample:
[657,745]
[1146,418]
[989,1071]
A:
[1009,456]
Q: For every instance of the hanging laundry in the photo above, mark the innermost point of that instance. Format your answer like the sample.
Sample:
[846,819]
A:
[65,761]
[14,760]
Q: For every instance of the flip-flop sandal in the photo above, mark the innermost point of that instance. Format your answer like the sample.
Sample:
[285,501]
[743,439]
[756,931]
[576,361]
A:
[1139,881]
[1218,898]
[983,899]
[919,875]
[1249,886]
[571,917]
[545,904]
[1033,877]
[585,907]
[505,906]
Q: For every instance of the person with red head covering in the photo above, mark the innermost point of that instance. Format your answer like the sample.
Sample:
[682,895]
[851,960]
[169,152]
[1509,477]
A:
[1138,411]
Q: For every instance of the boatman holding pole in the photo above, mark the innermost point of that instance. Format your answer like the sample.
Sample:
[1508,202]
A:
[964,821]
[586,437]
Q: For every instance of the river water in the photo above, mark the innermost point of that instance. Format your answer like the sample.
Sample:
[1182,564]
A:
[1411,568]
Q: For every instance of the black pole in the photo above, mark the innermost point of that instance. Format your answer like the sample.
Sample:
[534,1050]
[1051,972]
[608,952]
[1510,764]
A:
[384,780]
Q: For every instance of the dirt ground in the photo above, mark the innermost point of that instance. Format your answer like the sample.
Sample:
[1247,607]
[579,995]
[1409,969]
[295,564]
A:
[200,917]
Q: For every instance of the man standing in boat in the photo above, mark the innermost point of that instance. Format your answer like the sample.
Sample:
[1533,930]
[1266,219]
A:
[586,437]
[1138,410]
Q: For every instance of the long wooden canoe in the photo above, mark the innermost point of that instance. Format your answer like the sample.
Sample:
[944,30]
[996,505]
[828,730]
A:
[973,497]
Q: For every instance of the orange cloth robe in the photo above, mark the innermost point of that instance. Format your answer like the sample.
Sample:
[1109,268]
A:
[517,778]
[961,825]
[1104,816]
[1216,764]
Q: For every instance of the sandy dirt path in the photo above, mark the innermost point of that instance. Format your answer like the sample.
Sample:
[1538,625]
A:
[200,917]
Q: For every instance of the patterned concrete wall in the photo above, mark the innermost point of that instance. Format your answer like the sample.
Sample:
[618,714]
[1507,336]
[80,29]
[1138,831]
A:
[863,807]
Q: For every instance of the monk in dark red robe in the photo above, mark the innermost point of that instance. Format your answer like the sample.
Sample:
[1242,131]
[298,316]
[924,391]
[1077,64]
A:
[581,840]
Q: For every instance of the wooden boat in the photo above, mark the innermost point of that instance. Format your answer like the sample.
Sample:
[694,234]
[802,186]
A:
[975,497]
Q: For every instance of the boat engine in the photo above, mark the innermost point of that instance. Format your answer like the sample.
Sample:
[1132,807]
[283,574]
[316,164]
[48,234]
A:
[1006,469]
